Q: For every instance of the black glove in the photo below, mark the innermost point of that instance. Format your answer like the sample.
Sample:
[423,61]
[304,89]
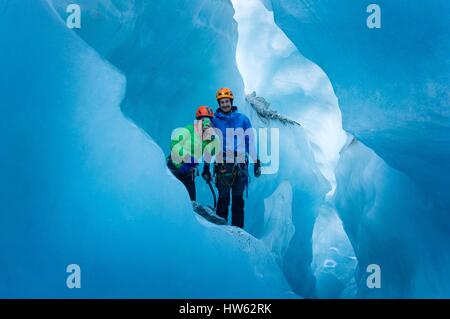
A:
[257,168]
[206,174]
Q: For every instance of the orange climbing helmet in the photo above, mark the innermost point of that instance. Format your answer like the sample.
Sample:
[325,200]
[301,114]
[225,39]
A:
[204,111]
[224,93]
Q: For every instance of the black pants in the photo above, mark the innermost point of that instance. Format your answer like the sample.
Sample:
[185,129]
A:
[188,179]
[231,178]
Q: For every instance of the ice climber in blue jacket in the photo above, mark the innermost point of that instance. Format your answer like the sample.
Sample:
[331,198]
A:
[231,167]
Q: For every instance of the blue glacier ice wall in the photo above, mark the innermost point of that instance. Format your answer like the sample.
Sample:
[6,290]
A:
[174,54]
[297,189]
[387,218]
[392,83]
[393,90]
[81,184]
[173,67]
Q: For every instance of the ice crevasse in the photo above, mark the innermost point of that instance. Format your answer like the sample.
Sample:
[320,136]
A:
[87,117]
[169,73]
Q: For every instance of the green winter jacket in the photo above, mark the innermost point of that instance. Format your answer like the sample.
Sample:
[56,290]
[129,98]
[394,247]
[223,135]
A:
[188,149]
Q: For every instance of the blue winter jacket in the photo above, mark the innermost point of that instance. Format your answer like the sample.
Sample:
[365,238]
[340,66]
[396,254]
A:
[234,120]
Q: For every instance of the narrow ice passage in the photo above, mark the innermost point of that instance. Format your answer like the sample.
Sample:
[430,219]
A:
[271,66]
[392,180]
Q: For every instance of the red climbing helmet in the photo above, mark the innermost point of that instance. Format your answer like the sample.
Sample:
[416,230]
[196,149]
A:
[204,111]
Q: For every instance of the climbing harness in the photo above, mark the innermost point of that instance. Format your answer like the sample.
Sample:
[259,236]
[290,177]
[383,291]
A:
[227,178]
